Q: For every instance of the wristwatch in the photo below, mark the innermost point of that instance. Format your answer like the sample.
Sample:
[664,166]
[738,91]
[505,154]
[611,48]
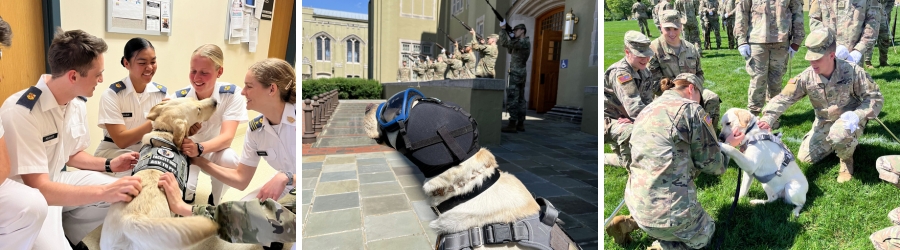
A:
[199,149]
[290,177]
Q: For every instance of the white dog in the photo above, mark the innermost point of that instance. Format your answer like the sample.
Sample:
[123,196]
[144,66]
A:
[763,157]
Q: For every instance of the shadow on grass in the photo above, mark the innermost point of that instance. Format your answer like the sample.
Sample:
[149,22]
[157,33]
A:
[769,224]
[887,76]
[712,54]
[795,119]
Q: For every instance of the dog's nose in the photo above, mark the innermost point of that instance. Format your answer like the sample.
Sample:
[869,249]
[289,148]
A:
[721,138]
[215,103]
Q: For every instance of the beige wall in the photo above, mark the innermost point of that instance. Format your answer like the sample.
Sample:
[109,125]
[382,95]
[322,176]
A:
[579,73]
[397,21]
[338,30]
[194,23]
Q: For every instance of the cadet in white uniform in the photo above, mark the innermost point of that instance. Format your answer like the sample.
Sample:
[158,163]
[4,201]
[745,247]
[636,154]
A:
[21,219]
[270,87]
[125,104]
[213,140]
[46,129]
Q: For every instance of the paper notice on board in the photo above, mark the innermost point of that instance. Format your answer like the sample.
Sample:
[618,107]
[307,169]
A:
[248,15]
[237,19]
[153,8]
[128,9]
[254,32]
[153,23]
[165,17]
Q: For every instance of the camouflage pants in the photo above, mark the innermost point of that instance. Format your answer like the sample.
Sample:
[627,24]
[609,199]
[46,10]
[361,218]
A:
[711,105]
[729,31]
[888,238]
[692,235]
[618,136]
[711,25]
[827,137]
[884,35]
[691,33]
[515,96]
[253,221]
[644,28]
[888,168]
[766,67]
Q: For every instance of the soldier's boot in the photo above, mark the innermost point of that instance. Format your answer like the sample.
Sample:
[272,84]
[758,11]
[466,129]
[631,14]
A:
[510,127]
[620,229]
[882,61]
[869,65]
[521,126]
[846,171]
[894,216]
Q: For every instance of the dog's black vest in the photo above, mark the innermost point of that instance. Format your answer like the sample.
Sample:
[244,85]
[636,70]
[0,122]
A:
[165,159]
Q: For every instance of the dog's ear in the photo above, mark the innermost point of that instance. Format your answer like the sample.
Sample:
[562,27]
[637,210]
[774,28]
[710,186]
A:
[744,117]
[154,112]
[179,132]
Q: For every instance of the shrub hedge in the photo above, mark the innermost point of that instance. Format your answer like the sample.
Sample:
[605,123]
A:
[350,88]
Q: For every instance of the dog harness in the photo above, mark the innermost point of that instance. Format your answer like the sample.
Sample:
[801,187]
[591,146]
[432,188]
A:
[433,135]
[165,158]
[540,231]
[788,156]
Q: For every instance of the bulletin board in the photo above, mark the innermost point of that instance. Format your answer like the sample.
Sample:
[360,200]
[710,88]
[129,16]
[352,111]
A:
[144,17]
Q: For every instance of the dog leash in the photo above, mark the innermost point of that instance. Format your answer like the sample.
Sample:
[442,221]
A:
[731,212]
[614,213]
[888,130]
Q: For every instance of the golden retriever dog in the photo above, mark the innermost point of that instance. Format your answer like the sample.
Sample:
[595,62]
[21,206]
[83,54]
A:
[506,201]
[146,222]
[763,159]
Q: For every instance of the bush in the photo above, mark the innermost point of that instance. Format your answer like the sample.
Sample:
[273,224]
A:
[349,88]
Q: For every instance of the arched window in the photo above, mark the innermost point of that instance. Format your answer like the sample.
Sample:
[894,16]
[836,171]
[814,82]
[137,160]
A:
[323,48]
[353,50]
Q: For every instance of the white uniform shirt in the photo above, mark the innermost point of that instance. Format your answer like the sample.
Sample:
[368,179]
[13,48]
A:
[120,104]
[230,106]
[42,134]
[278,147]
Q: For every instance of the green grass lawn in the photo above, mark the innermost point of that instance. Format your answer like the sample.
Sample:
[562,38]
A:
[836,216]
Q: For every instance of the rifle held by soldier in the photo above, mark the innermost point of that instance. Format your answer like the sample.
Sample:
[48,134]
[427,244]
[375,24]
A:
[467,27]
[499,17]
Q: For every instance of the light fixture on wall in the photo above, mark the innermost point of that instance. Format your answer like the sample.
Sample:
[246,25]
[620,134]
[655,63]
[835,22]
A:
[569,31]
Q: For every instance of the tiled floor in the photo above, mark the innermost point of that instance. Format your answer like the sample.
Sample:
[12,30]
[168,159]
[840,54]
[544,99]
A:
[374,200]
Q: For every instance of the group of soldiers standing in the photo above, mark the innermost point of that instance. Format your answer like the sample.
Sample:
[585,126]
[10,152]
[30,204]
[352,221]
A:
[843,95]
[456,64]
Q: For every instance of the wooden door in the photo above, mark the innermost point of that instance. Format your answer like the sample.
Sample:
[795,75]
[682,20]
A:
[281,28]
[23,62]
[545,61]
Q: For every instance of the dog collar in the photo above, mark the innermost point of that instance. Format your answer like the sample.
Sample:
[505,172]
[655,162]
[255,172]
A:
[460,199]
[743,145]
[788,156]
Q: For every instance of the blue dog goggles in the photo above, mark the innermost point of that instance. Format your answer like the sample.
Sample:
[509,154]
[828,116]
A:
[396,109]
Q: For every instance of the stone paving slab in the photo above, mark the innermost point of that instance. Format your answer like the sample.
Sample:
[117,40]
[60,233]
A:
[355,141]
[378,192]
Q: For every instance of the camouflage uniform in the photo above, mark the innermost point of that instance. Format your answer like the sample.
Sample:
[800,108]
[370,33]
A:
[888,238]
[420,71]
[884,34]
[468,61]
[666,63]
[856,24]
[850,88]
[888,168]
[439,68]
[519,48]
[626,92]
[429,71]
[659,8]
[639,11]
[691,31]
[403,74]
[454,66]
[677,139]
[769,30]
[254,222]
[727,10]
[710,21]
[488,57]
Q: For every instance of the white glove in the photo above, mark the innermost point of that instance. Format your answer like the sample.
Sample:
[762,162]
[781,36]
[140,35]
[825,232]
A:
[851,121]
[841,52]
[791,52]
[512,34]
[855,56]
[745,50]
[443,51]
[710,12]
[502,23]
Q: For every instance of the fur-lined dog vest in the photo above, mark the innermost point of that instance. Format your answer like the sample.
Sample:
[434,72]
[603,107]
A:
[165,159]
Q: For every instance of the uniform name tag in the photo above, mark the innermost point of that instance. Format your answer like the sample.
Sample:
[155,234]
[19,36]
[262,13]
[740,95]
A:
[50,137]
[261,153]
[126,114]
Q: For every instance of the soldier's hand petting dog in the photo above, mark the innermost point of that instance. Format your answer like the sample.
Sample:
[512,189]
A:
[124,162]
[189,148]
[273,188]
[173,195]
[123,189]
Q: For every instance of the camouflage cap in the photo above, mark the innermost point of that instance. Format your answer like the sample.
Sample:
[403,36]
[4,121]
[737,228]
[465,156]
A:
[818,42]
[638,44]
[691,78]
[671,19]
[519,26]
[494,36]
